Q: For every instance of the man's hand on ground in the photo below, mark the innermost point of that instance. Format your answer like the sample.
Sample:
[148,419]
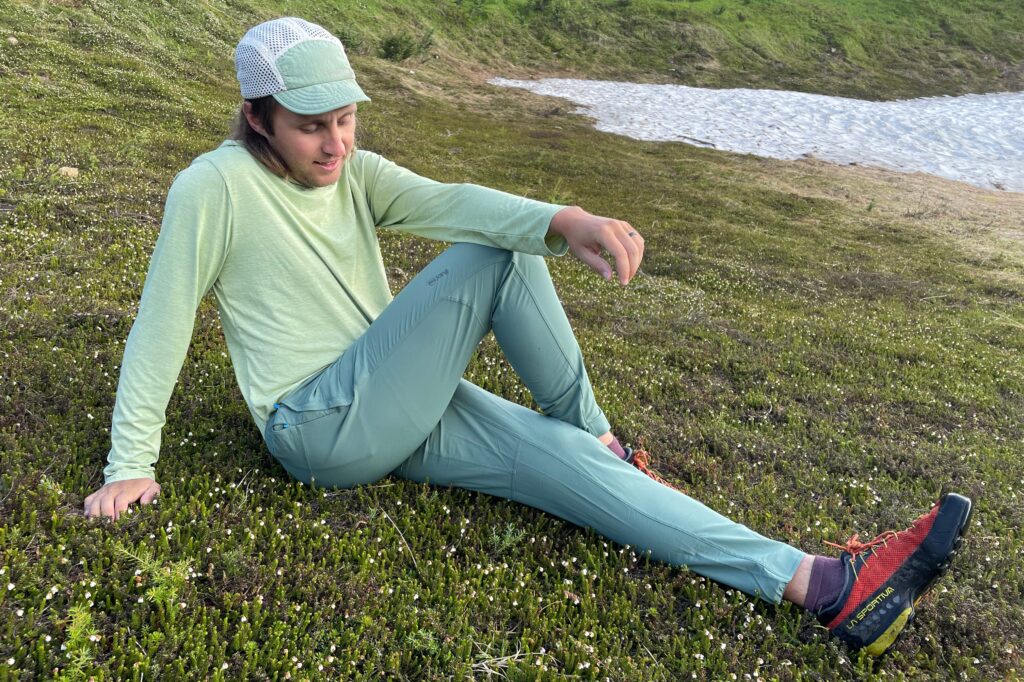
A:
[114,498]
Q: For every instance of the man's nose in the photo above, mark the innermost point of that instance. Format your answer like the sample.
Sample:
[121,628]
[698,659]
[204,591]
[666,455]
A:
[334,143]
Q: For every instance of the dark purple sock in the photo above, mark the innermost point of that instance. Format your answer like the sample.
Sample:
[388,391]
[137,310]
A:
[615,447]
[825,583]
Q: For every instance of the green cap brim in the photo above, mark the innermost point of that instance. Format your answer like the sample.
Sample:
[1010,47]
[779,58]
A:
[322,97]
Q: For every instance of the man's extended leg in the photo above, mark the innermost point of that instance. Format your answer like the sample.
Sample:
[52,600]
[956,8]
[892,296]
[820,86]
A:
[487,444]
[494,446]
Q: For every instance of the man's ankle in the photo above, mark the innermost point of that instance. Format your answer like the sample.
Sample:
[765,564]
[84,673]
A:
[616,447]
[825,584]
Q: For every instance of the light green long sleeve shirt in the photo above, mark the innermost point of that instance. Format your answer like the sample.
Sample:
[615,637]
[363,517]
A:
[297,274]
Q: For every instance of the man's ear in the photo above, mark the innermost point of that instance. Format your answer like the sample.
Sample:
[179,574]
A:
[254,122]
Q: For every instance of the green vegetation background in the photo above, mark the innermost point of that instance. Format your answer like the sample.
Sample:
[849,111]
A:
[811,350]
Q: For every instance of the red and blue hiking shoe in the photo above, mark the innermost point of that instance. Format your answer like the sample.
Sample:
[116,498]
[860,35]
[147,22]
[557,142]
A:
[886,578]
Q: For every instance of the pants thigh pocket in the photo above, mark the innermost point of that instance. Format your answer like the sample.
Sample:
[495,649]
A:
[282,440]
[287,434]
[318,435]
[292,419]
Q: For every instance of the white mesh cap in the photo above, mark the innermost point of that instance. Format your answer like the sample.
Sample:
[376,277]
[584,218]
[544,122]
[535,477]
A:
[300,63]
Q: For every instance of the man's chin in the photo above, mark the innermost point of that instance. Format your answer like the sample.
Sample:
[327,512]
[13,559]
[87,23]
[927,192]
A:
[328,175]
[320,179]
[321,182]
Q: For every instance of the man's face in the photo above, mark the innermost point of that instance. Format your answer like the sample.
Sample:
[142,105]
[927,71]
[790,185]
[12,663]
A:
[313,145]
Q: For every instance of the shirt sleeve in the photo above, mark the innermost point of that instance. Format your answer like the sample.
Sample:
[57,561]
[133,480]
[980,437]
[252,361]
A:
[402,200]
[186,261]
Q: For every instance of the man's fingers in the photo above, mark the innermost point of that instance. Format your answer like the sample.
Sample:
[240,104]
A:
[150,494]
[121,503]
[589,236]
[634,245]
[637,240]
[596,263]
[114,498]
[622,256]
[107,507]
[626,246]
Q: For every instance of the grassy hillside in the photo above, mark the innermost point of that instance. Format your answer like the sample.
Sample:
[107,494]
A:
[864,48]
[812,350]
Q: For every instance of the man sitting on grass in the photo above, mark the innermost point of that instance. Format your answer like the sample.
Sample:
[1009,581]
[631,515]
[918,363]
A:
[347,385]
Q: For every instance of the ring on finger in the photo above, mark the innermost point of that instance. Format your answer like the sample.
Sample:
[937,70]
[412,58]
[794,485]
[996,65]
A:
[632,234]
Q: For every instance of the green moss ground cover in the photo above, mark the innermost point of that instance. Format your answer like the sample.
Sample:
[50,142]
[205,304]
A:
[810,350]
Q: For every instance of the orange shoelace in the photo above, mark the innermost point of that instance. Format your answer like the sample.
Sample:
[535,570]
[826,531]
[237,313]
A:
[855,547]
[642,461]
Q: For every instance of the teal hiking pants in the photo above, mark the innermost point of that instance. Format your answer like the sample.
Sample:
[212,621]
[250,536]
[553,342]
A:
[395,402]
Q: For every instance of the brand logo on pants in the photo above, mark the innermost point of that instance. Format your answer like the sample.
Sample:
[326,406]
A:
[433,280]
